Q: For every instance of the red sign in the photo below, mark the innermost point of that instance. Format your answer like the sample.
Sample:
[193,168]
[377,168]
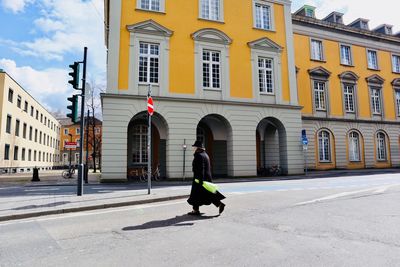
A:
[150,106]
[70,145]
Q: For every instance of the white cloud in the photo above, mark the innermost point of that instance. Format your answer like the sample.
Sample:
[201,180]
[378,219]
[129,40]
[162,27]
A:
[15,6]
[386,12]
[40,84]
[49,25]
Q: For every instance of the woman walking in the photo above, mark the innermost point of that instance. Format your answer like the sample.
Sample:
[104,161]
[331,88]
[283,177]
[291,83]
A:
[202,172]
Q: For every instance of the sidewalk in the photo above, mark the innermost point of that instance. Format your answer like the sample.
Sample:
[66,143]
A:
[55,195]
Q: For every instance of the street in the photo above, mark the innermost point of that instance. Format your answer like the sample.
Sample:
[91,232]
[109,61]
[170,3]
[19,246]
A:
[347,221]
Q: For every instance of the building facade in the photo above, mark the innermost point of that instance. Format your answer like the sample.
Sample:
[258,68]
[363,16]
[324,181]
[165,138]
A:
[349,86]
[70,132]
[223,73]
[29,134]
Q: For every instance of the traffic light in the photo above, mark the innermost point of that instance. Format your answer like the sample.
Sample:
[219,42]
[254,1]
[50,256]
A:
[74,108]
[75,75]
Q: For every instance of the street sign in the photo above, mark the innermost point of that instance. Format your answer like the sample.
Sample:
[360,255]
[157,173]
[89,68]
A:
[305,141]
[70,145]
[150,106]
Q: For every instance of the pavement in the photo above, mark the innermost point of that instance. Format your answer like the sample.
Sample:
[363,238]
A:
[20,198]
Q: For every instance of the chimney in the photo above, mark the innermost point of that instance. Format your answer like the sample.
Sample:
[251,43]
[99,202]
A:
[334,17]
[306,11]
[360,23]
[384,28]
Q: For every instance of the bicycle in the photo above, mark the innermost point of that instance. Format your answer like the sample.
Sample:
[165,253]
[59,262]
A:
[155,175]
[68,174]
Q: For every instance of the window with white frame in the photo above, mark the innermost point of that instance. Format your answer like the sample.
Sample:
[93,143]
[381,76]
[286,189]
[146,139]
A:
[211,9]
[265,75]
[381,146]
[211,69]
[317,50]
[153,5]
[372,59]
[397,93]
[324,146]
[354,146]
[396,63]
[139,144]
[149,59]
[319,95]
[345,55]
[263,16]
[376,100]
[66,131]
[349,97]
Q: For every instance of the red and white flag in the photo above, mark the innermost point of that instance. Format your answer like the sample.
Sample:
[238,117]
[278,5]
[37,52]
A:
[150,106]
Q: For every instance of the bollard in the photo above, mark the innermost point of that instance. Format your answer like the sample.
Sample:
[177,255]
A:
[35,177]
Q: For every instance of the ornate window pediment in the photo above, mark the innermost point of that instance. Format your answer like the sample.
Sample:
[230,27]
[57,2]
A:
[396,82]
[349,75]
[265,44]
[149,27]
[375,79]
[210,35]
[319,72]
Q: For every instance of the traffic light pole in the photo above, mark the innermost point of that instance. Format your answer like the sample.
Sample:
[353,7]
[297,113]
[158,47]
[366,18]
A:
[82,126]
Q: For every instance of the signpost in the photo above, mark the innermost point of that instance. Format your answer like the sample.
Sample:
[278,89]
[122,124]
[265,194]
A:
[70,145]
[304,141]
[150,111]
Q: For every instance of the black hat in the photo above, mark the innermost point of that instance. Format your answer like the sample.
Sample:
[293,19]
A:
[198,144]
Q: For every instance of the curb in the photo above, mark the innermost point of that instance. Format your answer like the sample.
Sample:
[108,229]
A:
[88,208]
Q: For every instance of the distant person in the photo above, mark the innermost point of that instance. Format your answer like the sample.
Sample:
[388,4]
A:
[202,171]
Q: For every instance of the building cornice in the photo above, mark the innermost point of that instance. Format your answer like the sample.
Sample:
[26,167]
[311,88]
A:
[311,118]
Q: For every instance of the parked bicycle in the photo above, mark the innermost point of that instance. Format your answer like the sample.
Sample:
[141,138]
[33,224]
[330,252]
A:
[68,174]
[155,175]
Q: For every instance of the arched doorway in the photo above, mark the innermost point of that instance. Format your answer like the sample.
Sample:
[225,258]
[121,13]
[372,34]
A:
[137,144]
[216,134]
[271,148]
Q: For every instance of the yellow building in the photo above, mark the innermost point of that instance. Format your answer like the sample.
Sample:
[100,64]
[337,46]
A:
[222,72]
[349,86]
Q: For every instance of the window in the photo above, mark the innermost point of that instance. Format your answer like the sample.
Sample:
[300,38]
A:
[17,123]
[345,55]
[66,131]
[153,5]
[36,135]
[211,9]
[8,124]
[15,152]
[32,111]
[26,106]
[24,130]
[263,16]
[40,156]
[41,118]
[34,155]
[40,137]
[78,142]
[29,154]
[319,95]
[23,154]
[324,147]
[398,102]
[354,146]
[396,63]
[372,59]
[139,146]
[10,95]
[211,69]
[78,131]
[19,100]
[97,130]
[76,157]
[149,57]
[317,50]
[309,12]
[349,98]
[30,133]
[376,101]
[37,114]
[265,75]
[65,157]
[6,152]
[381,146]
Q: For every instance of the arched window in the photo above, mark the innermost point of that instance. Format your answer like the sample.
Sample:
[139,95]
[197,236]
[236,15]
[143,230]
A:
[354,146]
[139,147]
[381,146]
[324,146]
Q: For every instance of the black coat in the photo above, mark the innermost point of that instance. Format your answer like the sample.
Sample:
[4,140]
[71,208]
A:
[202,171]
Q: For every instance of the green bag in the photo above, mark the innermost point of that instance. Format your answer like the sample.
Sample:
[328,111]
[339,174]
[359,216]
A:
[210,187]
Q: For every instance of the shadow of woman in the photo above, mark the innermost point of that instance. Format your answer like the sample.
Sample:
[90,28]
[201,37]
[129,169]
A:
[176,221]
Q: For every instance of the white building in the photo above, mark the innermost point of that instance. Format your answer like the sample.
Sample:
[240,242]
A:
[29,134]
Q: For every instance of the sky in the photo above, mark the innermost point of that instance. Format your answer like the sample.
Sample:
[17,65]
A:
[40,38]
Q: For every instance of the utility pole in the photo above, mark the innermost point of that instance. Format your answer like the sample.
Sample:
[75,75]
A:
[149,142]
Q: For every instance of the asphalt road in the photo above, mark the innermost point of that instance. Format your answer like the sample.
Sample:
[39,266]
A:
[348,221]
